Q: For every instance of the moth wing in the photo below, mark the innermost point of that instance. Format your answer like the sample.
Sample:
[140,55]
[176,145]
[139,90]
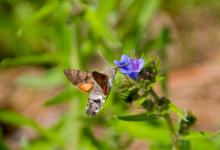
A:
[102,80]
[81,79]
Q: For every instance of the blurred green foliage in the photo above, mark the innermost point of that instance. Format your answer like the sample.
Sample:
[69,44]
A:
[56,34]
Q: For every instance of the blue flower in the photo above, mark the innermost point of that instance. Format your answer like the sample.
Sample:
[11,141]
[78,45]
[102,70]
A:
[133,67]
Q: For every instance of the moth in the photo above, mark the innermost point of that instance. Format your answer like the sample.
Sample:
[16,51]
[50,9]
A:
[98,84]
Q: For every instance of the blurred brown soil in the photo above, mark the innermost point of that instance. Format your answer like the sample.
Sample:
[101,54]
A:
[194,84]
[194,88]
[27,101]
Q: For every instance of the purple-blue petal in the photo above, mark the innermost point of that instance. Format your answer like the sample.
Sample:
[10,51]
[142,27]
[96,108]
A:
[133,67]
[125,70]
[118,63]
[125,58]
[127,67]
[141,64]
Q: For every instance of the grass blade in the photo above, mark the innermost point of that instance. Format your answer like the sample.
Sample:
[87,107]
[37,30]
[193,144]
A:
[20,120]
[139,117]
[47,58]
[100,28]
[47,9]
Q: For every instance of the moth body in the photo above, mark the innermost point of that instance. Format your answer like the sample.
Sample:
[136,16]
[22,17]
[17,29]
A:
[95,102]
[98,84]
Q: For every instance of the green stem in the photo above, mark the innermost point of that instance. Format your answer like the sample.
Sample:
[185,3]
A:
[174,136]
[169,122]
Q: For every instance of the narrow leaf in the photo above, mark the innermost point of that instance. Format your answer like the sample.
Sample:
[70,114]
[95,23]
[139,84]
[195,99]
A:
[15,118]
[31,60]
[177,110]
[53,77]
[20,120]
[100,28]
[147,11]
[139,117]
[47,9]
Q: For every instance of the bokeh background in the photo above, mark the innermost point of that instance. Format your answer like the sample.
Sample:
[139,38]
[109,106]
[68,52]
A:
[40,110]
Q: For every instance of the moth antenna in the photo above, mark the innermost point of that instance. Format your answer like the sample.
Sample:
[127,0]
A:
[123,65]
[103,57]
[108,62]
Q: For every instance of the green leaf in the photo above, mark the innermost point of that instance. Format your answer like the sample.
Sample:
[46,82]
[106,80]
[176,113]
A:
[139,117]
[159,79]
[38,144]
[62,97]
[47,9]
[197,136]
[88,134]
[3,146]
[20,120]
[105,8]
[51,78]
[16,119]
[48,58]
[177,110]
[143,130]
[148,9]
[100,28]
[201,140]
[185,145]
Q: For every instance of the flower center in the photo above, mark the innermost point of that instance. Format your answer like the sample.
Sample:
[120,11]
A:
[134,63]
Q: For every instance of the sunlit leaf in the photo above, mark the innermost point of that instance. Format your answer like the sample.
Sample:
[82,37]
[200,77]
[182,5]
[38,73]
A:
[177,110]
[202,140]
[204,144]
[148,9]
[100,28]
[142,130]
[105,8]
[159,78]
[196,135]
[47,9]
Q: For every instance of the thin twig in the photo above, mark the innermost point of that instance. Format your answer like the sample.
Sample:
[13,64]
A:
[169,122]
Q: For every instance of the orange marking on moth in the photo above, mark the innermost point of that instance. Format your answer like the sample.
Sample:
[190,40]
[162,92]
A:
[86,87]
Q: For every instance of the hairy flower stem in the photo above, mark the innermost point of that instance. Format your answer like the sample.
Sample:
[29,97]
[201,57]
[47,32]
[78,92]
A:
[169,122]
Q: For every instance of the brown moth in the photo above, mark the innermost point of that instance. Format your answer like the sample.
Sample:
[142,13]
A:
[98,84]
